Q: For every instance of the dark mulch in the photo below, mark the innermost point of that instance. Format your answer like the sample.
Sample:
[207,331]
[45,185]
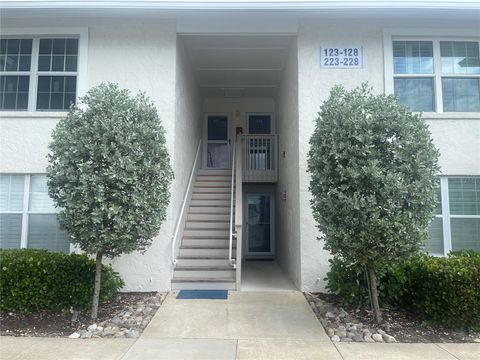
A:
[405,326]
[55,324]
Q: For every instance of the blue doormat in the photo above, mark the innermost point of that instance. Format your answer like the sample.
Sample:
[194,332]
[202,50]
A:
[203,294]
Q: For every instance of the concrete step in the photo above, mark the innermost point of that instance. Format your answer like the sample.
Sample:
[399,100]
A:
[213,178]
[209,203]
[186,284]
[206,234]
[201,252]
[212,189]
[224,184]
[203,262]
[222,172]
[199,273]
[208,217]
[212,196]
[209,210]
[211,225]
[207,242]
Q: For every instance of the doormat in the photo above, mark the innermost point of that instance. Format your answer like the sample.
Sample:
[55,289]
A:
[203,294]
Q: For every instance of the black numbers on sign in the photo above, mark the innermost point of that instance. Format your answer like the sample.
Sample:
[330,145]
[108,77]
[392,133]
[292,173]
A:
[331,61]
[350,62]
[341,57]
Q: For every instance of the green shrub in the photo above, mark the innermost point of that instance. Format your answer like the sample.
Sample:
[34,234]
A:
[36,280]
[349,282]
[444,290]
[441,290]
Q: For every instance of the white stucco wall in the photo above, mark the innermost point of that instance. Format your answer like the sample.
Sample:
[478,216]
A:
[287,211]
[457,137]
[138,55]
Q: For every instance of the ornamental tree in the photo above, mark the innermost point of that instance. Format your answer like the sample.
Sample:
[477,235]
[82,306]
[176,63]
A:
[109,172]
[372,164]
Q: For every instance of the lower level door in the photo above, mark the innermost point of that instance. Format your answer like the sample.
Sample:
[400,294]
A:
[259,214]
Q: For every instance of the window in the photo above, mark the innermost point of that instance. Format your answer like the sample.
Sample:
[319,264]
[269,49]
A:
[27,216]
[437,75]
[38,73]
[457,223]
[259,124]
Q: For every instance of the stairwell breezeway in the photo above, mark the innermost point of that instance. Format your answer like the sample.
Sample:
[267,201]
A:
[202,261]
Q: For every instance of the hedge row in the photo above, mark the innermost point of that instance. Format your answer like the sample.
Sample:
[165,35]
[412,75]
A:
[441,290]
[37,280]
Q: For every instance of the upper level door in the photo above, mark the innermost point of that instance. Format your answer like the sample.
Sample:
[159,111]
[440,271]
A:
[217,145]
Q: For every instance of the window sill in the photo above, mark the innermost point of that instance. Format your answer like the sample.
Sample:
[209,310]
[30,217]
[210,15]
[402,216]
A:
[452,115]
[33,114]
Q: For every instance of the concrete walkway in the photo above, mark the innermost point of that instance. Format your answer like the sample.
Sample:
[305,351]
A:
[256,325]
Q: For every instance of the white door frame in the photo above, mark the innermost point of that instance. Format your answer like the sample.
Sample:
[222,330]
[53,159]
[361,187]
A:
[205,138]
[271,253]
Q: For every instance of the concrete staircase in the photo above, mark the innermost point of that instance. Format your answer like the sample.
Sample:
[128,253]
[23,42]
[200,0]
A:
[202,261]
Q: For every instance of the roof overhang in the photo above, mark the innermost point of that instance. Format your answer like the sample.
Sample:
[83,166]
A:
[194,16]
[243,5]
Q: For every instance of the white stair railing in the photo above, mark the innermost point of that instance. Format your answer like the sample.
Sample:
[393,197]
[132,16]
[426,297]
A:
[260,162]
[232,233]
[239,207]
[182,212]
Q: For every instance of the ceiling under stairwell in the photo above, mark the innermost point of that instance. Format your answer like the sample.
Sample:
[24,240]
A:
[237,65]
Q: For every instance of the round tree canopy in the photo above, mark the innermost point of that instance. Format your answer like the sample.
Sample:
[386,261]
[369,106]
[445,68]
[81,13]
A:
[110,172]
[373,166]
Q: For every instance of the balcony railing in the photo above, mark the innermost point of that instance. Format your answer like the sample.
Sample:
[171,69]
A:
[260,158]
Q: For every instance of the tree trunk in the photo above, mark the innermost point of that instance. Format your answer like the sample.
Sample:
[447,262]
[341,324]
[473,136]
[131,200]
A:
[96,290]
[373,292]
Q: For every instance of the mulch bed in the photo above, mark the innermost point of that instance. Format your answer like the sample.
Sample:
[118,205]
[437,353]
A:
[405,326]
[54,324]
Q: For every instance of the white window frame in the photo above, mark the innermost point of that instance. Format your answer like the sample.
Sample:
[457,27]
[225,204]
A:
[446,216]
[26,212]
[40,33]
[435,36]
[272,121]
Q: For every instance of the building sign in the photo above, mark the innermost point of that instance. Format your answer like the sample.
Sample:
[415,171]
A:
[345,57]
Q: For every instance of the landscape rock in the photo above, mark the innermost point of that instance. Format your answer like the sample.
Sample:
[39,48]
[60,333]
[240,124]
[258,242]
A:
[110,330]
[86,335]
[368,338]
[75,335]
[330,332]
[92,327]
[116,320]
[377,338]
[346,339]
[330,315]
[132,334]
[335,338]
[381,332]
[388,338]
[341,333]
[358,338]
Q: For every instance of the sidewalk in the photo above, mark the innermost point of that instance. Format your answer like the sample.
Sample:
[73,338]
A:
[246,326]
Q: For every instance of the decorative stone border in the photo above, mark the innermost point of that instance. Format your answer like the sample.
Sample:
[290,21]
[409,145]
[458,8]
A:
[128,323]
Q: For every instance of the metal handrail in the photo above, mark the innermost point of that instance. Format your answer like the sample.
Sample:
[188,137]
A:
[232,233]
[239,209]
[184,203]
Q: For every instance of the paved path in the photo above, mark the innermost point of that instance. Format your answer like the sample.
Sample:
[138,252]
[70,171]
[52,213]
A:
[246,326]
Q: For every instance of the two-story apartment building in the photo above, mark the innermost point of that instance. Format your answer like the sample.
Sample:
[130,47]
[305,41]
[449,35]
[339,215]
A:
[237,86]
